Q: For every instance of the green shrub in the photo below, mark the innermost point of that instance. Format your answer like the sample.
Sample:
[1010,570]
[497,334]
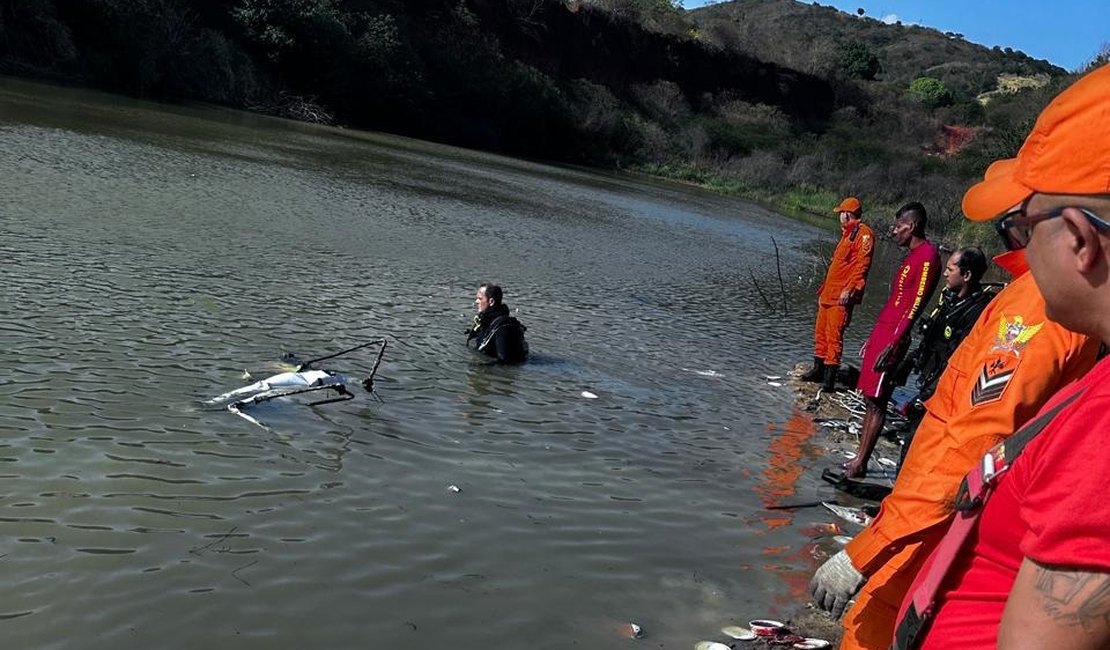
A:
[930,91]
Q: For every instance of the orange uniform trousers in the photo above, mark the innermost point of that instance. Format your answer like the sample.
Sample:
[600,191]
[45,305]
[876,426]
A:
[1013,360]
[828,333]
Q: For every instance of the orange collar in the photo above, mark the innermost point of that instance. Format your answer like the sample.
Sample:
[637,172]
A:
[1013,262]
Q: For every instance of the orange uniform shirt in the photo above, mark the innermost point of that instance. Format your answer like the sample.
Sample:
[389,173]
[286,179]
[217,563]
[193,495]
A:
[1011,362]
[849,265]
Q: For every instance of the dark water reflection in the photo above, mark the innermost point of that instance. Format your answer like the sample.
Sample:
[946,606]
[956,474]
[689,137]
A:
[152,254]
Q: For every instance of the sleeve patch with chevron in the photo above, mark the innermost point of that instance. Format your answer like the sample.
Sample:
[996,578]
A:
[993,379]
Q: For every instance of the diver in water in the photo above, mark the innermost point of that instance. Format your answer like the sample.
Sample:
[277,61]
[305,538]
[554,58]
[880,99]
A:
[494,331]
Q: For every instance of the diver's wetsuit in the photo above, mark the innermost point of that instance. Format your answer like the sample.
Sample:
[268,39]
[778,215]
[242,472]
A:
[942,331]
[499,335]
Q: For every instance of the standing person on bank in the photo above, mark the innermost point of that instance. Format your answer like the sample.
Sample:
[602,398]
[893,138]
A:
[496,333]
[910,289]
[1031,567]
[842,289]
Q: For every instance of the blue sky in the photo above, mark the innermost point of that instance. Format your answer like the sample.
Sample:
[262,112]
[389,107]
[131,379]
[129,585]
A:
[1066,32]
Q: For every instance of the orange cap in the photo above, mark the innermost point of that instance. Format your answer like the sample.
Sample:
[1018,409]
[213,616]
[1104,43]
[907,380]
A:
[850,204]
[1068,152]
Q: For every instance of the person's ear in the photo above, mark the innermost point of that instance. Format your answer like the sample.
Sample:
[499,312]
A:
[1084,242]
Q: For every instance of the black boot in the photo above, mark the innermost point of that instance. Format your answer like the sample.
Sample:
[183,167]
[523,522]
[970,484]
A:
[817,372]
[829,385]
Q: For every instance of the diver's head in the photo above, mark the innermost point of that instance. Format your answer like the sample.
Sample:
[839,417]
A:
[488,295]
[964,270]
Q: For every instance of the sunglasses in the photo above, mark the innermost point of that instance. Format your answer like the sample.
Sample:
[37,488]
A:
[1016,227]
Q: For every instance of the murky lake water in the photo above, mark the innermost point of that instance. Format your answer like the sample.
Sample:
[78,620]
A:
[152,254]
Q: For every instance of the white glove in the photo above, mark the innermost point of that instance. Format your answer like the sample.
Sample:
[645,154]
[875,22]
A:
[835,583]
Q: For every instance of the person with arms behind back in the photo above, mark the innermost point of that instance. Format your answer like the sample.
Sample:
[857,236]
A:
[841,290]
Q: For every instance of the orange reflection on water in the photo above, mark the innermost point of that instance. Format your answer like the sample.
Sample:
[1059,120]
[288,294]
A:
[778,484]
[784,467]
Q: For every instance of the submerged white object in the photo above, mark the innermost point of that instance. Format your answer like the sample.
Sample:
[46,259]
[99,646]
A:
[588,395]
[811,644]
[283,381]
[738,633]
[284,384]
[710,645]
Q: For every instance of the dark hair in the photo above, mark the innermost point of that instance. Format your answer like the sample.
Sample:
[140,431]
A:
[916,212]
[972,260]
[493,292]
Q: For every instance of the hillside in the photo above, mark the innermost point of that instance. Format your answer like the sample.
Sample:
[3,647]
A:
[813,38]
[918,113]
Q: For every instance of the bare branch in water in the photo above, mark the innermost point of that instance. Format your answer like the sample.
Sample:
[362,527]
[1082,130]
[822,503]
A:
[782,286]
[755,283]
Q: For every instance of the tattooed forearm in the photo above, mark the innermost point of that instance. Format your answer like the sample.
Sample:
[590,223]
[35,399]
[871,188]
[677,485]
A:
[1075,597]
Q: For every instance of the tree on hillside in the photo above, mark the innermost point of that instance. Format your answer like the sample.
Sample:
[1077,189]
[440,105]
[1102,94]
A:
[930,91]
[860,62]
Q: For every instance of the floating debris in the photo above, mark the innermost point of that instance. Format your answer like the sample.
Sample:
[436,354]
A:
[737,632]
[631,631]
[774,383]
[854,515]
[454,489]
[704,373]
[888,462]
[766,627]
[773,377]
[831,528]
[811,644]
[710,645]
[588,395]
[842,539]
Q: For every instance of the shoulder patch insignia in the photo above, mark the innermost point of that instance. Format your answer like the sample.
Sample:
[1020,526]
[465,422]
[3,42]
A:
[1014,334]
[993,380]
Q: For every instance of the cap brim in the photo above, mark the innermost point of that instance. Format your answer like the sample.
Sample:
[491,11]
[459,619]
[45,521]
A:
[997,193]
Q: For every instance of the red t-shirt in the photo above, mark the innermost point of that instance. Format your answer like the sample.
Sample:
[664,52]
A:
[1051,507]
